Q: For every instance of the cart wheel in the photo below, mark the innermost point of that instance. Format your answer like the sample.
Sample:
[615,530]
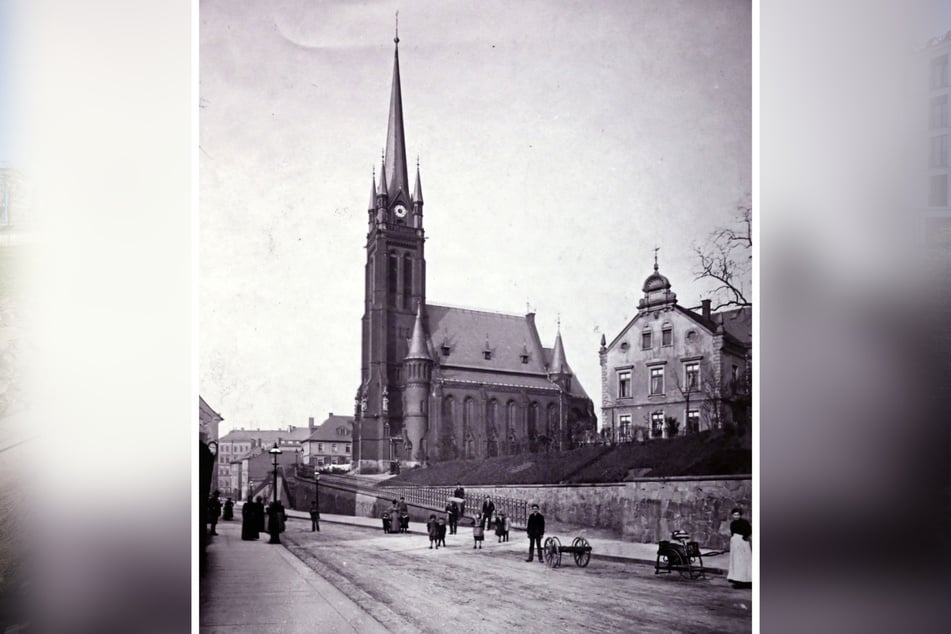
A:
[552,552]
[583,553]
[669,561]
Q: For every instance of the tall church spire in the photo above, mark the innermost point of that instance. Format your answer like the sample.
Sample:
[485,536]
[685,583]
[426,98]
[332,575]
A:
[395,174]
[418,190]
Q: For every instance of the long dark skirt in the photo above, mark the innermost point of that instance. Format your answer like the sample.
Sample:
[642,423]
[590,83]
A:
[249,523]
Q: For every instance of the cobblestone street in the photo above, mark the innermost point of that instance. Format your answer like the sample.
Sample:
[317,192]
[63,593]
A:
[410,588]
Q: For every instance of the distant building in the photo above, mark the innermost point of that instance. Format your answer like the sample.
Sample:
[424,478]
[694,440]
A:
[239,444]
[331,442]
[673,370]
[936,225]
[208,420]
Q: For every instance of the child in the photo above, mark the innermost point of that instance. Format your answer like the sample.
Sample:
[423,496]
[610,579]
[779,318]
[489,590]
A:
[500,527]
[441,526]
[386,522]
[433,529]
[507,526]
[404,522]
[478,532]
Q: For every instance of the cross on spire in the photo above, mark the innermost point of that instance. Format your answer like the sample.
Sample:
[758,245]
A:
[656,249]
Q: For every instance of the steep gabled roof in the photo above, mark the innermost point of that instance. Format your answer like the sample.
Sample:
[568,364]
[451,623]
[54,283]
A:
[329,430]
[206,414]
[738,322]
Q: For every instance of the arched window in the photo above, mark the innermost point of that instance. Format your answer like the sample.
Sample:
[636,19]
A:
[533,421]
[392,277]
[407,280]
[490,415]
[552,429]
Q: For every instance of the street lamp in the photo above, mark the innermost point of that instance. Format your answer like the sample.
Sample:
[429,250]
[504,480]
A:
[274,529]
[317,495]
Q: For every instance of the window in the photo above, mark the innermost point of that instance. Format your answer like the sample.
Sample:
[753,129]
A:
[693,421]
[524,358]
[666,337]
[624,384]
[657,425]
[624,426]
[691,374]
[657,381]
[939,191]
[939,112]
[486,354]
[320,446]
[939,72]
[646,340]
[348,449]
[445,349]
[939,151]
[333,447]
[736,375]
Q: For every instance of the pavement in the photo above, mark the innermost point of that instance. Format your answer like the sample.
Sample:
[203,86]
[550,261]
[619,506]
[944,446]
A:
[261,588]
[601,547]
[256,587]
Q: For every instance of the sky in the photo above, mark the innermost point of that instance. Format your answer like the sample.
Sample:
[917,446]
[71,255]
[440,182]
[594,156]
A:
[559,143]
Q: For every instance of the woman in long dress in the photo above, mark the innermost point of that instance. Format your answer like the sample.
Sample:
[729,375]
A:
[740,572]
[249,520]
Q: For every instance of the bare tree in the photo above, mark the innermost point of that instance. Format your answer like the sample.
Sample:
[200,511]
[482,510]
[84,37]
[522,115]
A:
[727,259]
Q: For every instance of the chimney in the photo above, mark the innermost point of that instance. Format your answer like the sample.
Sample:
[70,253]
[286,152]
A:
[705,308]
[330,415]
[310,422]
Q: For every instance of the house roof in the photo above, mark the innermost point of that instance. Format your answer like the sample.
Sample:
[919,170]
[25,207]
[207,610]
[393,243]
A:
[207,415]
[295,434]
[738,322]
[329,430]
[470,333]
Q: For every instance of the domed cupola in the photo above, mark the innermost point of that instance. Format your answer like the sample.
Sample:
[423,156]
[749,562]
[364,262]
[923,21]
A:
[656,289]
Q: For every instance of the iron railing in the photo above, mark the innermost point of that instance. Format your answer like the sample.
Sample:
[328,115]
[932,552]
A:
[436,498]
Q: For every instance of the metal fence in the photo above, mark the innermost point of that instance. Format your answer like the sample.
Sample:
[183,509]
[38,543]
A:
[436,498]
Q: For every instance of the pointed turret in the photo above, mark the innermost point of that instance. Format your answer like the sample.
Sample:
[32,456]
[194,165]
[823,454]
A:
[395,173]
[417,345]
[373,192]
[418,189]
[559,365]
[382,191]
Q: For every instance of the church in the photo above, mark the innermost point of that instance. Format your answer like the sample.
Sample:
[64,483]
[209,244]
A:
[442,383]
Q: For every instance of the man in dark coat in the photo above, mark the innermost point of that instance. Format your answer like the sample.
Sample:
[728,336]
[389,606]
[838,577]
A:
[535,530]
[214,512]
[452,514]
[314,517]
[488,511]
[228,513]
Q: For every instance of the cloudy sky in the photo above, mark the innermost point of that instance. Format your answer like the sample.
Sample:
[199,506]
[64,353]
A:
[559,142]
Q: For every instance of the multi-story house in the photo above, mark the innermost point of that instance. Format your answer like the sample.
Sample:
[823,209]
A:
[673,370]
[242,443]
[331,442]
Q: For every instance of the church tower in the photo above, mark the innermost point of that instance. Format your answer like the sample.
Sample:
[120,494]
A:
[395,292]
[418,368]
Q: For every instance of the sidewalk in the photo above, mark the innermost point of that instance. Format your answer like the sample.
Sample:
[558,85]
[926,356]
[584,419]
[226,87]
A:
[602,547]
[256,587]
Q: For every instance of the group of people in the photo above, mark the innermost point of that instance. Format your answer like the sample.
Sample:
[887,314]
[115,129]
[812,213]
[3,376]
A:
[215,511]
[396,518]
[256,519]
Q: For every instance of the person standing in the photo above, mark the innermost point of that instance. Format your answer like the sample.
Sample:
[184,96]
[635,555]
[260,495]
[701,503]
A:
[259,514]
[461,494]
[740,571]
[433,530]
[535,530]
[452,514]
[214,512]
[478,531]
[488,511]
[314,517]
[249,520]
[228,513]
[500,530]
[276,521]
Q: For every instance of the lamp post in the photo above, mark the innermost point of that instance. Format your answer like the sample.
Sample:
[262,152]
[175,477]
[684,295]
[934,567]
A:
[274,524]
[317,498]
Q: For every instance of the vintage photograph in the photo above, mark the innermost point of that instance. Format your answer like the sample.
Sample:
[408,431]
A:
[476,331]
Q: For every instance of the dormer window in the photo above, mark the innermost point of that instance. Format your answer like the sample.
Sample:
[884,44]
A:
[524,357]
[486,354]
[444,349]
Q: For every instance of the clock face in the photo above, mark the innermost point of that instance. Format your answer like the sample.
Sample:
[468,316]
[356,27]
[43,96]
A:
[400,211]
